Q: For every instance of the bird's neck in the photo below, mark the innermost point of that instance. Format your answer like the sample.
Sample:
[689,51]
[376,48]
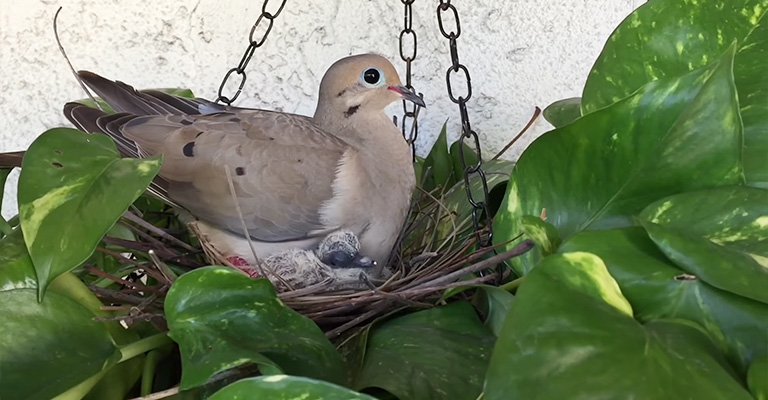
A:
[368,132]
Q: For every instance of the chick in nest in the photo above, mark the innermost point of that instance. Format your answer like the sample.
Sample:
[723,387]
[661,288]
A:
[336,261]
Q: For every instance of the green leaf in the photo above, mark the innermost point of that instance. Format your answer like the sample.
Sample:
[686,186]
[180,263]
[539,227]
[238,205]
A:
[5,227]
[439,160]
[542,233]
[657,289]
[751,75]
[757,378]
[49,347]
[283,387]
[570,335]
[667,38]
[73,187]
[441,353]
[563,112]
[596,173]
[455,200]
[16,270]
[222,319]
[499,302]
[719,266]
[735,217]
[470,158]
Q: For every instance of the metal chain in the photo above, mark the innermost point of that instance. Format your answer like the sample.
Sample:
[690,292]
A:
[252,46]
[484,237]
[409,114]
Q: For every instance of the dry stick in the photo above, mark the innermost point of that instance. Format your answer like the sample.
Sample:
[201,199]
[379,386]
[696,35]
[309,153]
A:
[159,395]
[536,114]
[121,281]
[119,257]
[165,271]
[522,248]
[71,68]
[474,256]
[115,295]
[151,241]
[259,266]
[157,231]
[359,319]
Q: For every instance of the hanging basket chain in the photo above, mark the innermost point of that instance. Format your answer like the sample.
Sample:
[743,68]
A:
[253,44]
[409,114]
[484,236]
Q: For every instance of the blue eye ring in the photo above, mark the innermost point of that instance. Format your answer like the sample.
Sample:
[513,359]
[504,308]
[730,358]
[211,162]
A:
[372,77]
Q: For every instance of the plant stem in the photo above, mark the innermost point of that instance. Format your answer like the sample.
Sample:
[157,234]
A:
[5,227]
[144,345]
[512,285]
[148,372]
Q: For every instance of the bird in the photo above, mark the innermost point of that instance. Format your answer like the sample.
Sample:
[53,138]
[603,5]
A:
[296,178]
[296,268]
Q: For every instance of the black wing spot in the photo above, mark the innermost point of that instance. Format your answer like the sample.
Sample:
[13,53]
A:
[351,111]
[57,164]
[235,119]
[189,149]
[57,151]
[186,122]
[240,171]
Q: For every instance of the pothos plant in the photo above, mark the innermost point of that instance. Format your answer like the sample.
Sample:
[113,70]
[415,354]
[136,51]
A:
[648,203]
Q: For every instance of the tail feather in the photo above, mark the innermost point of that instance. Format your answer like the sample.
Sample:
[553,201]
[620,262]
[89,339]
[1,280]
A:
[129,104]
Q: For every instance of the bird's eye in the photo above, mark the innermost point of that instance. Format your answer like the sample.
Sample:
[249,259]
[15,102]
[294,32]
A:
[372,77]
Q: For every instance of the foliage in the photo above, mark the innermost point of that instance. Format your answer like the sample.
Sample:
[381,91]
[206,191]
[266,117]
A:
[648,203]
[646,197]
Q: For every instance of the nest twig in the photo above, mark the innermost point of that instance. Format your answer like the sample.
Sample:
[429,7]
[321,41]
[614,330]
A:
[435,253]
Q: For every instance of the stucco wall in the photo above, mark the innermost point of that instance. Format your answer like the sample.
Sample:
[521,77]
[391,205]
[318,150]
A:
[521,54]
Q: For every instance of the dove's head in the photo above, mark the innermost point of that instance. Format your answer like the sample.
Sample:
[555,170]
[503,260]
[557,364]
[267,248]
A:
[366,82]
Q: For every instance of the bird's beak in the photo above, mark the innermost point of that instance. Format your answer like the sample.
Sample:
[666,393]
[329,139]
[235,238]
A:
[408,95]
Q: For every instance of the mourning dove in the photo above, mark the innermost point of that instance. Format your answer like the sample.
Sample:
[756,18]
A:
[296,178]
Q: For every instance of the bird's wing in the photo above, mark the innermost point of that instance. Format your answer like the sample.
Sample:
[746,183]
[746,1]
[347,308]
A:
[281,165]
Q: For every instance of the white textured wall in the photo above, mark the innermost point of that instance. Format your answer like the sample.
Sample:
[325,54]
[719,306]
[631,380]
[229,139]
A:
[521,54]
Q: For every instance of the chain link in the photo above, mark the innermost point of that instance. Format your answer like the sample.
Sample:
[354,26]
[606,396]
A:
[484,236]
[254,43]
[409,114]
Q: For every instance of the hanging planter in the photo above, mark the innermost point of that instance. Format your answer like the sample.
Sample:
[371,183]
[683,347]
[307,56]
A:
[638,226]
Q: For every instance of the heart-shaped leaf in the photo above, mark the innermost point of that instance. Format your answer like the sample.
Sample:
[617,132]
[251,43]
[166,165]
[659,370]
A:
[284,387]
[667,38]
[717,265]
[757,378]
[17,272]
[657,289]
[571,335]
[563,112]
[73,187]
[596,173]
[441,353]
[456,202]
[498,303]
[457,150]
[733,216]
[47,347]
[222,319]
[439,162]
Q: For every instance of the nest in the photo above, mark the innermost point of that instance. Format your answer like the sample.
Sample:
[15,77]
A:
[436,251]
